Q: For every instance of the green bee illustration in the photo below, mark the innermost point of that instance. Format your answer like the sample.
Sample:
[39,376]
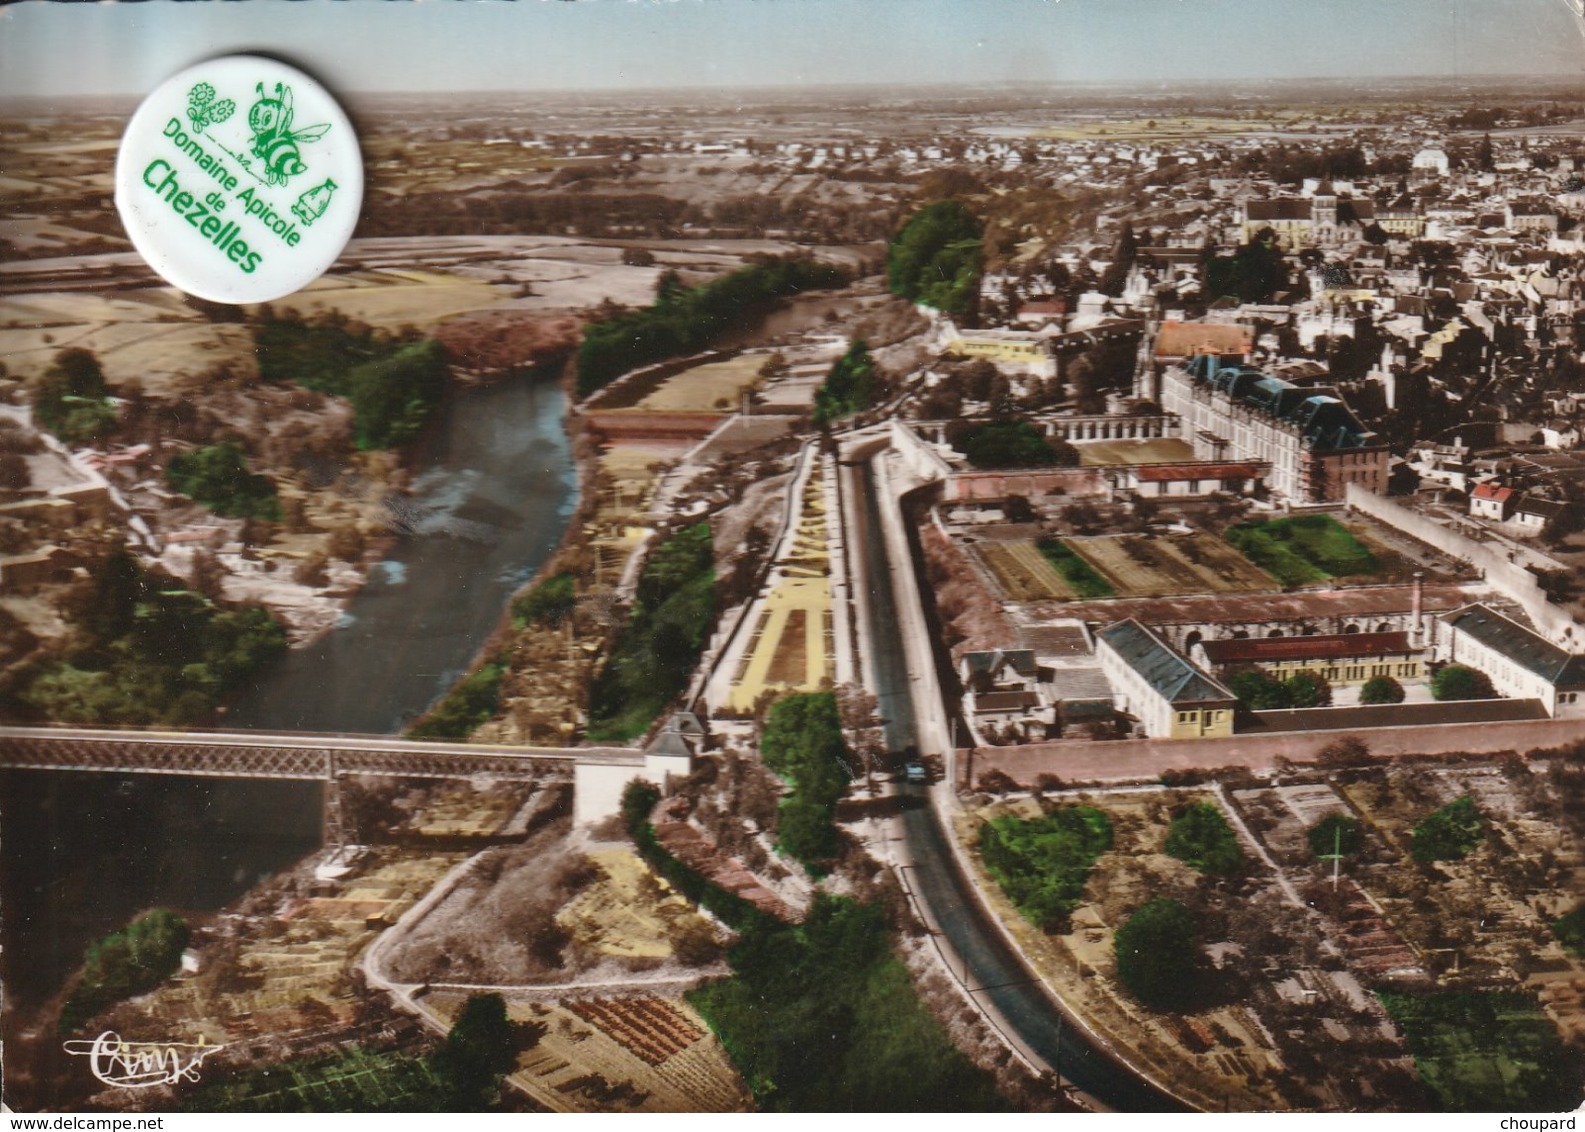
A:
[202,109]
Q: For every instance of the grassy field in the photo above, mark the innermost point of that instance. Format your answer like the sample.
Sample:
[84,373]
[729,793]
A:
[1024,573]
[1483,1051]
[1168,566]
[1303,549]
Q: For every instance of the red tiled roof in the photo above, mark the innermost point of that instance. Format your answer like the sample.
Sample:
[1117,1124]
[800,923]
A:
[1492,491]
[1331,647]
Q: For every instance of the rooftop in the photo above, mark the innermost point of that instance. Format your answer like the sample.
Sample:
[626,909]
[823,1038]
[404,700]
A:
[1170,674]
[1523,646]
[1320,416]
[1333,646]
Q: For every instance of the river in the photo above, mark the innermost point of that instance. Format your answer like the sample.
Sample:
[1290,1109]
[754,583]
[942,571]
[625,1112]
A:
[494,490]
[491,500]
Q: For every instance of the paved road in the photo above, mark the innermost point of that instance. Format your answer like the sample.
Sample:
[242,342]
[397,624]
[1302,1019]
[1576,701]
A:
[992,969]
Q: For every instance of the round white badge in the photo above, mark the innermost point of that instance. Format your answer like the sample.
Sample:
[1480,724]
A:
[239,180]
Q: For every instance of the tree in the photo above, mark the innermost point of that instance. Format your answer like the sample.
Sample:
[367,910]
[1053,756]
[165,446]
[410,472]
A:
[71,398]
[935,258]
[479,1050]
[1158,957]
[1258,690]
[850,387]
[218,477]
[1308,689]
[803,743]
[1336,833]
[1449,833]
[1381,690]
[1458,682]
[1200,837]
[1011,443]
[1252,274]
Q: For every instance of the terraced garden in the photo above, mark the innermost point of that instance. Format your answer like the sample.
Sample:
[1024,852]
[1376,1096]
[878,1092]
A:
[627,1053]
[1121,566]
[1139,566]
[1024,573]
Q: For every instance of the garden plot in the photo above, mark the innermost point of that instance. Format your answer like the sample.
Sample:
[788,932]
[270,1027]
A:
[712,387]
[1220,1054]
[1024,573]
[629,1053]
[1140,566]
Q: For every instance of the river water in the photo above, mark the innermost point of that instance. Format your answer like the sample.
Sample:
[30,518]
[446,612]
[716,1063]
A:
[83,853]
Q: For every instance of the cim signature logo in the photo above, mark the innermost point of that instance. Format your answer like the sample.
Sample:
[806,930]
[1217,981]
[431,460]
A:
[140,1065]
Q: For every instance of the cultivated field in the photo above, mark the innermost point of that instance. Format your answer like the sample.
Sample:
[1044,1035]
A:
[1166,566]
[622,1053]
[1024,573]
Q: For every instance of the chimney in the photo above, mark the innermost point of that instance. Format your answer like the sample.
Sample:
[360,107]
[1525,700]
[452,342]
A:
[1415,623]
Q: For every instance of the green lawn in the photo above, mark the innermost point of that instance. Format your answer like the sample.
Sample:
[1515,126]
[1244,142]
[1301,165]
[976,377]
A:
[1079,574]
[1302,549]
[1486,1051]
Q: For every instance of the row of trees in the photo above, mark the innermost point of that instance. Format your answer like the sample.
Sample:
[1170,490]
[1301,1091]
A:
[685,320]
[803,743]
[656,650]
[394,381]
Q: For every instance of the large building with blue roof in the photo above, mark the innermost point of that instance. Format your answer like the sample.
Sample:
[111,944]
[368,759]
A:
[1314,443]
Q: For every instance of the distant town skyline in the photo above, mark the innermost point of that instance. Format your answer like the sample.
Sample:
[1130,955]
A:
[374,45]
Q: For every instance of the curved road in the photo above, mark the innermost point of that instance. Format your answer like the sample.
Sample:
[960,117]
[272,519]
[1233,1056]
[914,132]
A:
[992,968]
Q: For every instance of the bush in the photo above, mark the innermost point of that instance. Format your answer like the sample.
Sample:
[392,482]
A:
[1042,864]
[1200,837]
[218,477]
[546,604]
[71,399]
[1450,833]
[851,387]
[465,708]
[1158,956]
[1381,690]
[1458,682]
[128,962]
[1336,833]
[1570,929]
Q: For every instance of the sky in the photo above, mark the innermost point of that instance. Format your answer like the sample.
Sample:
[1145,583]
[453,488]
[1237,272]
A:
[378,45]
